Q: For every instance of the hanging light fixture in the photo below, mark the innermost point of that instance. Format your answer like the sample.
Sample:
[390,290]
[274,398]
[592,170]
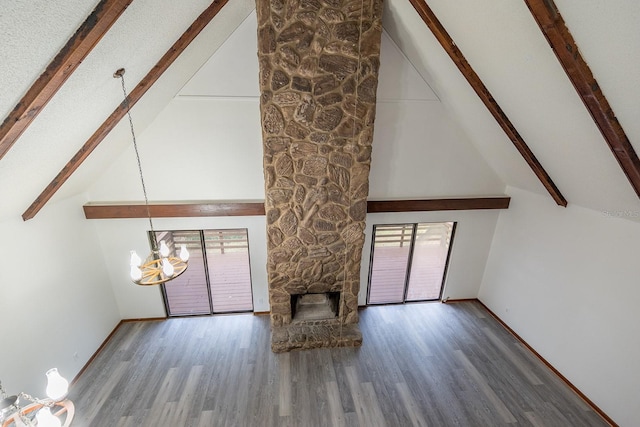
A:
[162,264]
[39,411]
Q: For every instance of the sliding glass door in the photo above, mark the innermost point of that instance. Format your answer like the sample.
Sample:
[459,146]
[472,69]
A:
[218,279]
[408,262]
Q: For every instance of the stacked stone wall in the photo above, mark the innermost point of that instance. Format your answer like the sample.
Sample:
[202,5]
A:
[319,62]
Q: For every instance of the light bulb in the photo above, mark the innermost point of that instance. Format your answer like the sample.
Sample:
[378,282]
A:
[164,249]
[57,386]
[45,418]
[184,253]
[167,268]
[135,259]
[136,273]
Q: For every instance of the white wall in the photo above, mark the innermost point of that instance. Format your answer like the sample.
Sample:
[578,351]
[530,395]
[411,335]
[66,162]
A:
[55,296]
[418,152]
[207,145]
[196,149]
[567,281]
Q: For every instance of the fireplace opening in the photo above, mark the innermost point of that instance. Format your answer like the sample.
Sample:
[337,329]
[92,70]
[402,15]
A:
[315,306]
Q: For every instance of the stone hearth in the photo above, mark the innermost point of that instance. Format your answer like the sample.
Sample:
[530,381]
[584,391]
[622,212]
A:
[319,62]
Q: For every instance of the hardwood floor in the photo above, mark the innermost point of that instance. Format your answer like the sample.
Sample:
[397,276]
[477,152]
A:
[420,365]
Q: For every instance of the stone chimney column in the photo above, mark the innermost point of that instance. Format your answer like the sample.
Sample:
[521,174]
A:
[319,62]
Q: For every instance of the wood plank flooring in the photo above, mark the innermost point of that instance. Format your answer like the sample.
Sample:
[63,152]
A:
[426,364]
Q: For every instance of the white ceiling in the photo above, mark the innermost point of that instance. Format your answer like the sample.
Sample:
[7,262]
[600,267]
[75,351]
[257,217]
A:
[504,45]
[499,38]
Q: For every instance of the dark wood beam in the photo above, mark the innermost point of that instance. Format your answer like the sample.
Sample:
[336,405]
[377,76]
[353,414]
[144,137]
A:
[256,208]
[379,206]
[134,96]
[58,71]
[564,46]
[173,210]
[481,90]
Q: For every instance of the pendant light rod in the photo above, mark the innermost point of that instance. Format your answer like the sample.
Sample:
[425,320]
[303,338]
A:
[120,74]
[162,264]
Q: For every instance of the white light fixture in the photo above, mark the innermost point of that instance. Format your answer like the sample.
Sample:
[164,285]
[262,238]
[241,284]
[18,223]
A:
[160,266]
[184,253]
[57,386]
[45,418]
[136,261]
[167,268]
[39,411]
[164,249]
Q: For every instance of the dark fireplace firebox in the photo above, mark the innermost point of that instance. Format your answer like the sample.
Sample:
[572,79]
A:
[324,306]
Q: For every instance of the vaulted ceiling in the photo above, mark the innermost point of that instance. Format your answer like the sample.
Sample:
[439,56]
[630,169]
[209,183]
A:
[500,39]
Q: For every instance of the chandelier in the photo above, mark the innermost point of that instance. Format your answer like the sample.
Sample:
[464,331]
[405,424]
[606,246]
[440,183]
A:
[162,264]
[40,412]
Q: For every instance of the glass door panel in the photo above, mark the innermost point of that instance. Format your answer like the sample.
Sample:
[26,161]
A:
[187,294]
[229,270]
[390,260]
[429,261]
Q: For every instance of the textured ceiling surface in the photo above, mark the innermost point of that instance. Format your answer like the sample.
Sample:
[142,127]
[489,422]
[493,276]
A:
[499,38]
[32,33]
[142,34]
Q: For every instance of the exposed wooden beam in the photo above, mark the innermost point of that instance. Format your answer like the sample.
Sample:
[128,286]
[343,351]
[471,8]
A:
[256,208]
[134,96]
[481,90]
[564,46]
[58,71]
[173,210]
[378,206]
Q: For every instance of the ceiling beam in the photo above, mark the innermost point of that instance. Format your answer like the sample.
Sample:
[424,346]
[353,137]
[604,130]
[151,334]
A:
[481,90]
[256,208]
[173,210]
[134,96]
[468,203]
[59,70]
[564,46]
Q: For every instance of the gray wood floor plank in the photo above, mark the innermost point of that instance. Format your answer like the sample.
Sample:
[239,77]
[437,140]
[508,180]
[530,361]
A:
[533,419]
[410,406]
[284,385]
[358,396]
[372,404]
[420,365]
[207,419]
[188,396]
[512,357]
[480,382]
[102,397]
[336,412]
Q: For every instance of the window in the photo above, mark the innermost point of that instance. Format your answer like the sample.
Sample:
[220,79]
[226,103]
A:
[218,279]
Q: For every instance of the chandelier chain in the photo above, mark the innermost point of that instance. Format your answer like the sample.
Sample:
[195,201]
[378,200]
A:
[135,147]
